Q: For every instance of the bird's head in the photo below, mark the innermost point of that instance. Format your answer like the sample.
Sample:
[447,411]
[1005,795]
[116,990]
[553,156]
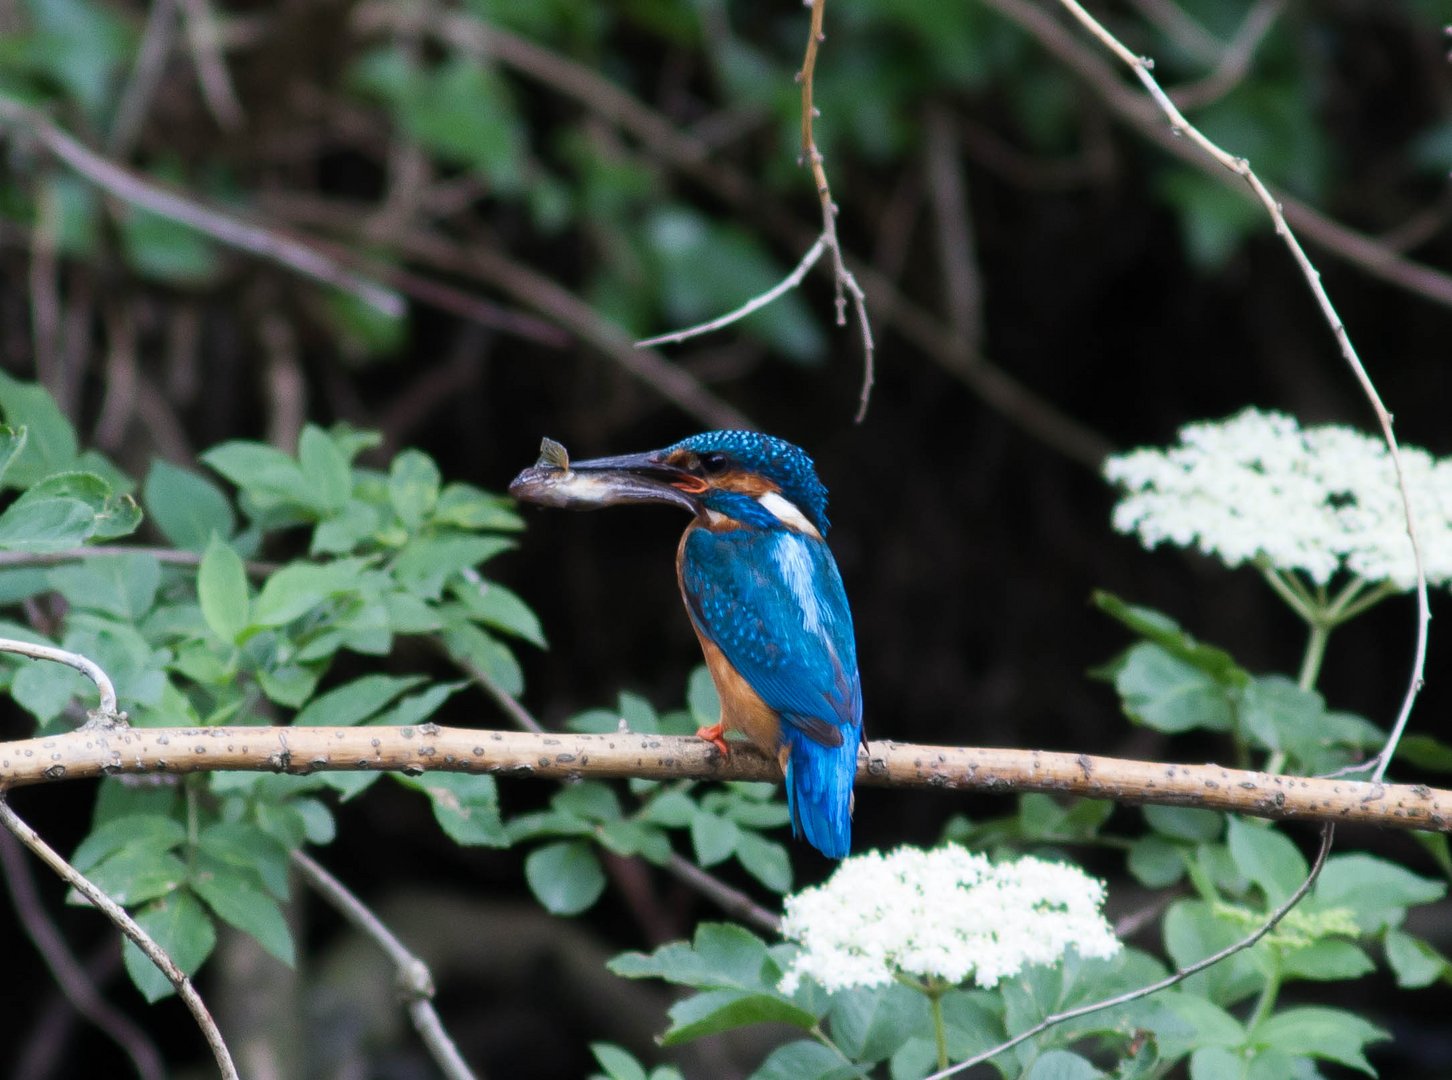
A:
[729,473]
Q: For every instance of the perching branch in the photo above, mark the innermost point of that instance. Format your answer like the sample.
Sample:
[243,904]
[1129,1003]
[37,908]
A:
[128,926]
[425,747]
[415,981]
[1142,68]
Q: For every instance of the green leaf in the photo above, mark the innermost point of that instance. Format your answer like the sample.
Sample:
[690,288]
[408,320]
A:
[1332,1034]
[413,488]
[1414,962]
[714,838]
[1156,862]
[354,702]
[1061,1065]
[494,605]
[325,469]
[416,708]
[1202,1024]
[1425,752]
[466,806]
[870,1025]
[715,1011]
[247,847]
[565,877]
[618,1063]
[153,832]
[805,1060]
[701,697]
[1166,693]
[237,898]
[592,800]
[466,507]
[1267,857]
[134,875]
[723,955]
[297,588]
[222,590]
[1377,891]
[1184,822]
[186,507]
[46,525]
[345,530]
[1326,959]
[50,444]
[12,441]
[1159,628]
[426,563]
[120,585]
[766,861]
[259,469]
[469,645]
[709,267]
[672,809]
[181,926]
[166,250]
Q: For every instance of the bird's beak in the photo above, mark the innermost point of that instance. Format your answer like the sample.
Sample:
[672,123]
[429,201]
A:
[609,481]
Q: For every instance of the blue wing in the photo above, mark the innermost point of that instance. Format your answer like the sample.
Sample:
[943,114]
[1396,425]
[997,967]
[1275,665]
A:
[772,601]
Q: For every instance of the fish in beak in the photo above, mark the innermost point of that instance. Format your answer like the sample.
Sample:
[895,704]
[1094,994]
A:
[611,481]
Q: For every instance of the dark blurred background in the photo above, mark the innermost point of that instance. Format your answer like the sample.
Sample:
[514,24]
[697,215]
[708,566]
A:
[1050,275]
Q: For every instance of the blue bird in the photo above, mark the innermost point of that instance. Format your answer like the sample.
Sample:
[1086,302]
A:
[765,598]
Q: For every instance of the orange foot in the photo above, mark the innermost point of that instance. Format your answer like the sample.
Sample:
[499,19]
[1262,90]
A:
[716,736]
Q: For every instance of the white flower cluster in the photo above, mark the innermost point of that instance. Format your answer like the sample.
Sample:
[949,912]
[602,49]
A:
[944,914]
[1259,487]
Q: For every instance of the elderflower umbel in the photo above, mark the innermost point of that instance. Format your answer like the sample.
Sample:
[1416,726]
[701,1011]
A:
[946,914]
[1258,487]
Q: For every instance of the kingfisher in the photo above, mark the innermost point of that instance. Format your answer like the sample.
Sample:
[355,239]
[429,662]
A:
[764,597]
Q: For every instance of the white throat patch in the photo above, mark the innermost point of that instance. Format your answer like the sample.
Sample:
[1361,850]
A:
[785,511]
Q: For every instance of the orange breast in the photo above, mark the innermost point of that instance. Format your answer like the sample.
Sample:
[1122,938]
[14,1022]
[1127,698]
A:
[741,707]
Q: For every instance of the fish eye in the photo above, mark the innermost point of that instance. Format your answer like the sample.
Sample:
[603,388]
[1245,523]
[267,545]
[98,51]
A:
[714,462]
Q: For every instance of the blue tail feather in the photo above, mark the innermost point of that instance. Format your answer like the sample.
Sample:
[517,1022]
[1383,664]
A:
[819,790]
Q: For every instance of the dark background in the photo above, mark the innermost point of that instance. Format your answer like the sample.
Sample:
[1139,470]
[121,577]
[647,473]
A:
[1026,245]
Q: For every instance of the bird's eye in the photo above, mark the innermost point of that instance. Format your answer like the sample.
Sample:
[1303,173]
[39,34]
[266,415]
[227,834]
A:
[714,463]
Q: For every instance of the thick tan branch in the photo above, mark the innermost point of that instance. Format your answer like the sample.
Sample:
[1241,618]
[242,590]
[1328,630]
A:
[415,750]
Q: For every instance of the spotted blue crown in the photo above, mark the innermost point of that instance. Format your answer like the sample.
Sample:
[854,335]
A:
[779,461]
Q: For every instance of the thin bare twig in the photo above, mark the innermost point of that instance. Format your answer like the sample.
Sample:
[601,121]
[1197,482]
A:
[756,303]
[844,281]
[216,83]
[1141,66]
[69,974]
[994,386]
[1235,61]
[415,981]
[147,194]
[128,926]
[1365,252]
[107,713]
[146,72]
[1327,832]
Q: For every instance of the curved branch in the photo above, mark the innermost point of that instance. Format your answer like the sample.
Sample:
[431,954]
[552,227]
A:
[416,750]
[128,926]
[415,981]
[107,713]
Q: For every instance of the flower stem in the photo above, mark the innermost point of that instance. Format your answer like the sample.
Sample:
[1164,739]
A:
[935,1002]
[1267,1000]
[1315,653]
